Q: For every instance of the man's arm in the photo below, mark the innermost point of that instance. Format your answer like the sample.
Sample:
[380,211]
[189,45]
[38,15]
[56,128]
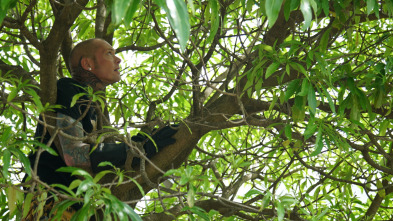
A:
[75,152]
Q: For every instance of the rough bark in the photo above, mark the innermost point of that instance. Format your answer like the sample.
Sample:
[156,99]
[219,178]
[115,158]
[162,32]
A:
[50,50]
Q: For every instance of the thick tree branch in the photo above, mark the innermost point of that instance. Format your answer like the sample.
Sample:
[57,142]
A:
[18,72]
[100,19]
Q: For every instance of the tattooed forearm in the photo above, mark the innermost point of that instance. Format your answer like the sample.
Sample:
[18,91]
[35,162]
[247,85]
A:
[75,152]
[77,155]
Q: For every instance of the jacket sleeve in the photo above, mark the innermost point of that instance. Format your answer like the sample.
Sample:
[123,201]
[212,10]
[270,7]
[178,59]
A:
[115,153]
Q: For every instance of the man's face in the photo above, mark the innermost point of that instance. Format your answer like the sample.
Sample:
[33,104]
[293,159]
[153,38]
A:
[106,65]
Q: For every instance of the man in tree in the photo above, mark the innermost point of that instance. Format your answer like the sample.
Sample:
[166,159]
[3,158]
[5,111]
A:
[93,64]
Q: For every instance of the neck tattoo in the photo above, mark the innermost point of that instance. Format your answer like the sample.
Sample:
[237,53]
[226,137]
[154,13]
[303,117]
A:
[85,76]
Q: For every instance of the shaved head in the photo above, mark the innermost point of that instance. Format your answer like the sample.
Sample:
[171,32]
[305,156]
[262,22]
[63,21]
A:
[83,49]
[94,62]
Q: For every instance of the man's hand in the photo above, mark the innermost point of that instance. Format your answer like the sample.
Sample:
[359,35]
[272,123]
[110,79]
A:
[162,138]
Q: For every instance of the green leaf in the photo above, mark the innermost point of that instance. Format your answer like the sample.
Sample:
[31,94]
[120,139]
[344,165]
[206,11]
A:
[324,40]
[27,204]
[121,178]
[363,100]
[287,200]
[65,188]
[305,7]
[133,7]
[312,100]
[12,94]
[310,130]
[273,102]
[119,10]
[330,100]
[5,6]
[83,27]
[291,89]
[82,214]
[117,206]
[105,163]
[379,96]
[355,110]
[14,197]
[61,207]
[75,184]
[383,127]
[258,85]
[215,20]
[189,171]
[245,164]
[200,212]
[75,98]
[172,172]
[271,69]
[266,199]
[272,8]
[184,180]
[46,148]
[351,82]
[325,7]
[74,171]
[388,50]
[88,195]
[100,175]
[6,135]
[249,5]
[6,162]
[305,87]
[298,67]
[288,131]
[23,159]
[321,215]
[316,192]
[191,196]
[36,99]
[280,211]
[298,110]
[318,143]
[380,186]
[287,9]
[177,15]
[84,186]
[131,213]
[370,6]
[252,192]
[11,198]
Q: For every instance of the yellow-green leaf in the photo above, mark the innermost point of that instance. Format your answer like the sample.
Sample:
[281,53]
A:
[271,69]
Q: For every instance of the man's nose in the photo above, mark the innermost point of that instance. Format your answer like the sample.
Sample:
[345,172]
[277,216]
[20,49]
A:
[118,60]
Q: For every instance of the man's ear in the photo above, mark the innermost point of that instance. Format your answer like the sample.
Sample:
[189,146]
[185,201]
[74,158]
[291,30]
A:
[87,63]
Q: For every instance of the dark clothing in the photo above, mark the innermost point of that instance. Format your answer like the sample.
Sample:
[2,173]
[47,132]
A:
[48,163]
[85,113]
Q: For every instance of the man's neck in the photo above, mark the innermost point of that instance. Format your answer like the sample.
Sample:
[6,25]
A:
[89,78]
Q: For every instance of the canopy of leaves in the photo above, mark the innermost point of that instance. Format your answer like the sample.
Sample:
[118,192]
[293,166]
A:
[284,107]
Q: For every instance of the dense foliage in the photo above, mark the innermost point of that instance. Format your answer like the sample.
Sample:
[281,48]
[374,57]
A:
[284,106]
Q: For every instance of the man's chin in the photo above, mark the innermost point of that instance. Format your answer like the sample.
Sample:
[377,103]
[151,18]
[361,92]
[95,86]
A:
[115,80]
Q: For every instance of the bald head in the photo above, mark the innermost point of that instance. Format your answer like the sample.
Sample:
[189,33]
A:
[94,62]
[84,49]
